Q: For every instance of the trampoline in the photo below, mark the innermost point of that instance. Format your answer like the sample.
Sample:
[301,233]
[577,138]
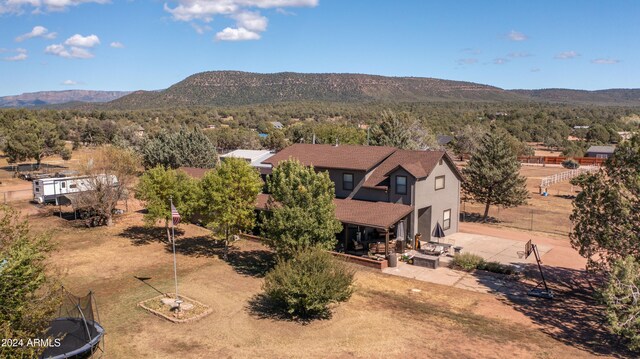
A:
[75,329]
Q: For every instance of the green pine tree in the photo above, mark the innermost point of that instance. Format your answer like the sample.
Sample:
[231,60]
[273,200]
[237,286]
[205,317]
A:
[301,212]
[185,148]
[492,176]
[28,295]
[228,198]
[606,213]
[33,139]
[622,299]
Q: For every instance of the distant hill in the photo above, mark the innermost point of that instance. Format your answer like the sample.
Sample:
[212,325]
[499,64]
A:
[606,97]
[44,98]
[223,88]
[233,88]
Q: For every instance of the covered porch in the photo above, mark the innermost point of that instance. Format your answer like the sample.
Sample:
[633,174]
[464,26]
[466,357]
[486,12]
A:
[372,228]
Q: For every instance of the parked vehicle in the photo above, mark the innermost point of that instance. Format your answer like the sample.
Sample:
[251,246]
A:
[50,190]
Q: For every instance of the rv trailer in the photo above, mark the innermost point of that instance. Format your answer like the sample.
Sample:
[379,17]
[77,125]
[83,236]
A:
[49,190]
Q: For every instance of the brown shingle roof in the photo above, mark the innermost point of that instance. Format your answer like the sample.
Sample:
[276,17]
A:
[419,164]
[363,213]
[370,214]
[360,158]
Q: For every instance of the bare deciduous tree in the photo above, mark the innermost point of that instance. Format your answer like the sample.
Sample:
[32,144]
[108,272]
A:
[109,177]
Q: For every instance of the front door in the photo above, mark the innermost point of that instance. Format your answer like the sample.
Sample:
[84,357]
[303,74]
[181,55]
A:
[424,223]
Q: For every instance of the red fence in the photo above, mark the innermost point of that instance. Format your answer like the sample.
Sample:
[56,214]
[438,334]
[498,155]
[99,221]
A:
[547,160]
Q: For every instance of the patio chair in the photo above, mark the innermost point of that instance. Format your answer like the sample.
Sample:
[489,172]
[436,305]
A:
[357,245]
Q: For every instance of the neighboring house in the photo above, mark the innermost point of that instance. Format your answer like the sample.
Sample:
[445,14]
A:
[254,157]
[600,151]
[444,140]
[277,125]
[378,187]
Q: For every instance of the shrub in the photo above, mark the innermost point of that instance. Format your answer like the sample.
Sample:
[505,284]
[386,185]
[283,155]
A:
[307,283]
[467,261]
[496,267]
[570,163]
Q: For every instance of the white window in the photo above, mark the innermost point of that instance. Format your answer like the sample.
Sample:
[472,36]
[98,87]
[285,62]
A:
[63,185]
[439,182]
[446,219]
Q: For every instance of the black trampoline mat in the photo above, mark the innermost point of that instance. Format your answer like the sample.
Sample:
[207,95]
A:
[74,337]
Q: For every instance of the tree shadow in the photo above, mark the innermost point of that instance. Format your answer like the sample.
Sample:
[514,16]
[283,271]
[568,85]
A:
[476,218]
[141,235]
[26,167]
[199,246]
[254,263]
[574,317]
[263,307]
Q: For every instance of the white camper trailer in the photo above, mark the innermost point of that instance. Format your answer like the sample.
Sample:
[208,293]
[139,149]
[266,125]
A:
[49,190]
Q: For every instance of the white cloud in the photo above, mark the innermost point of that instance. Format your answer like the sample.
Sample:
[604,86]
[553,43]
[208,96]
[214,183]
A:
[82,41]
[516,36]
[500,61]
[535,69]
[37,31]
[605,61]
[117,45]
[19,57]
[519,54]
[72,53]
[284,12]
[201,29]
[565,55]
[69,83]
[468,61]
[75,47]
[239,34]
[249,23]
[20,54]
[19,7]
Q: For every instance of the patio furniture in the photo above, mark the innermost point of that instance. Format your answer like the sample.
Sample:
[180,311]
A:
[357,245]
[457,249]
[378,247]
[427,261]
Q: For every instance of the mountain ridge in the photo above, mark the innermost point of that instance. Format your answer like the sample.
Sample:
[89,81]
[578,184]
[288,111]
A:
[44,98]
[237,88]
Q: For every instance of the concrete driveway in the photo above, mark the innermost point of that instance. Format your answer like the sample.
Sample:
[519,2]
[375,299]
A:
[505,251]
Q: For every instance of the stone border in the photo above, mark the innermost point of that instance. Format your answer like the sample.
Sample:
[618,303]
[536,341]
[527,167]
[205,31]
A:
[207,311]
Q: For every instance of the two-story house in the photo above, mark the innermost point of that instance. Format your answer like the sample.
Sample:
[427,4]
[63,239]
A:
[379,187]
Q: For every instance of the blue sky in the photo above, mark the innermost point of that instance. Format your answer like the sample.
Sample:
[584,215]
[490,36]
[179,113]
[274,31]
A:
[149,44]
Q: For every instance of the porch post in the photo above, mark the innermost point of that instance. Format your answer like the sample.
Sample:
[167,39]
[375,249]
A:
[346,235]
[386,243]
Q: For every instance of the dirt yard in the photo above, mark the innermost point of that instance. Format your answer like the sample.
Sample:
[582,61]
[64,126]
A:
[548,214]
[387,317]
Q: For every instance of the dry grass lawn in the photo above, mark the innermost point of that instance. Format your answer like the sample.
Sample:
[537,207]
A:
[385,318]
[550,214]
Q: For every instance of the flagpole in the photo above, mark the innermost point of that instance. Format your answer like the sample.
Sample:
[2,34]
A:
[173,237]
